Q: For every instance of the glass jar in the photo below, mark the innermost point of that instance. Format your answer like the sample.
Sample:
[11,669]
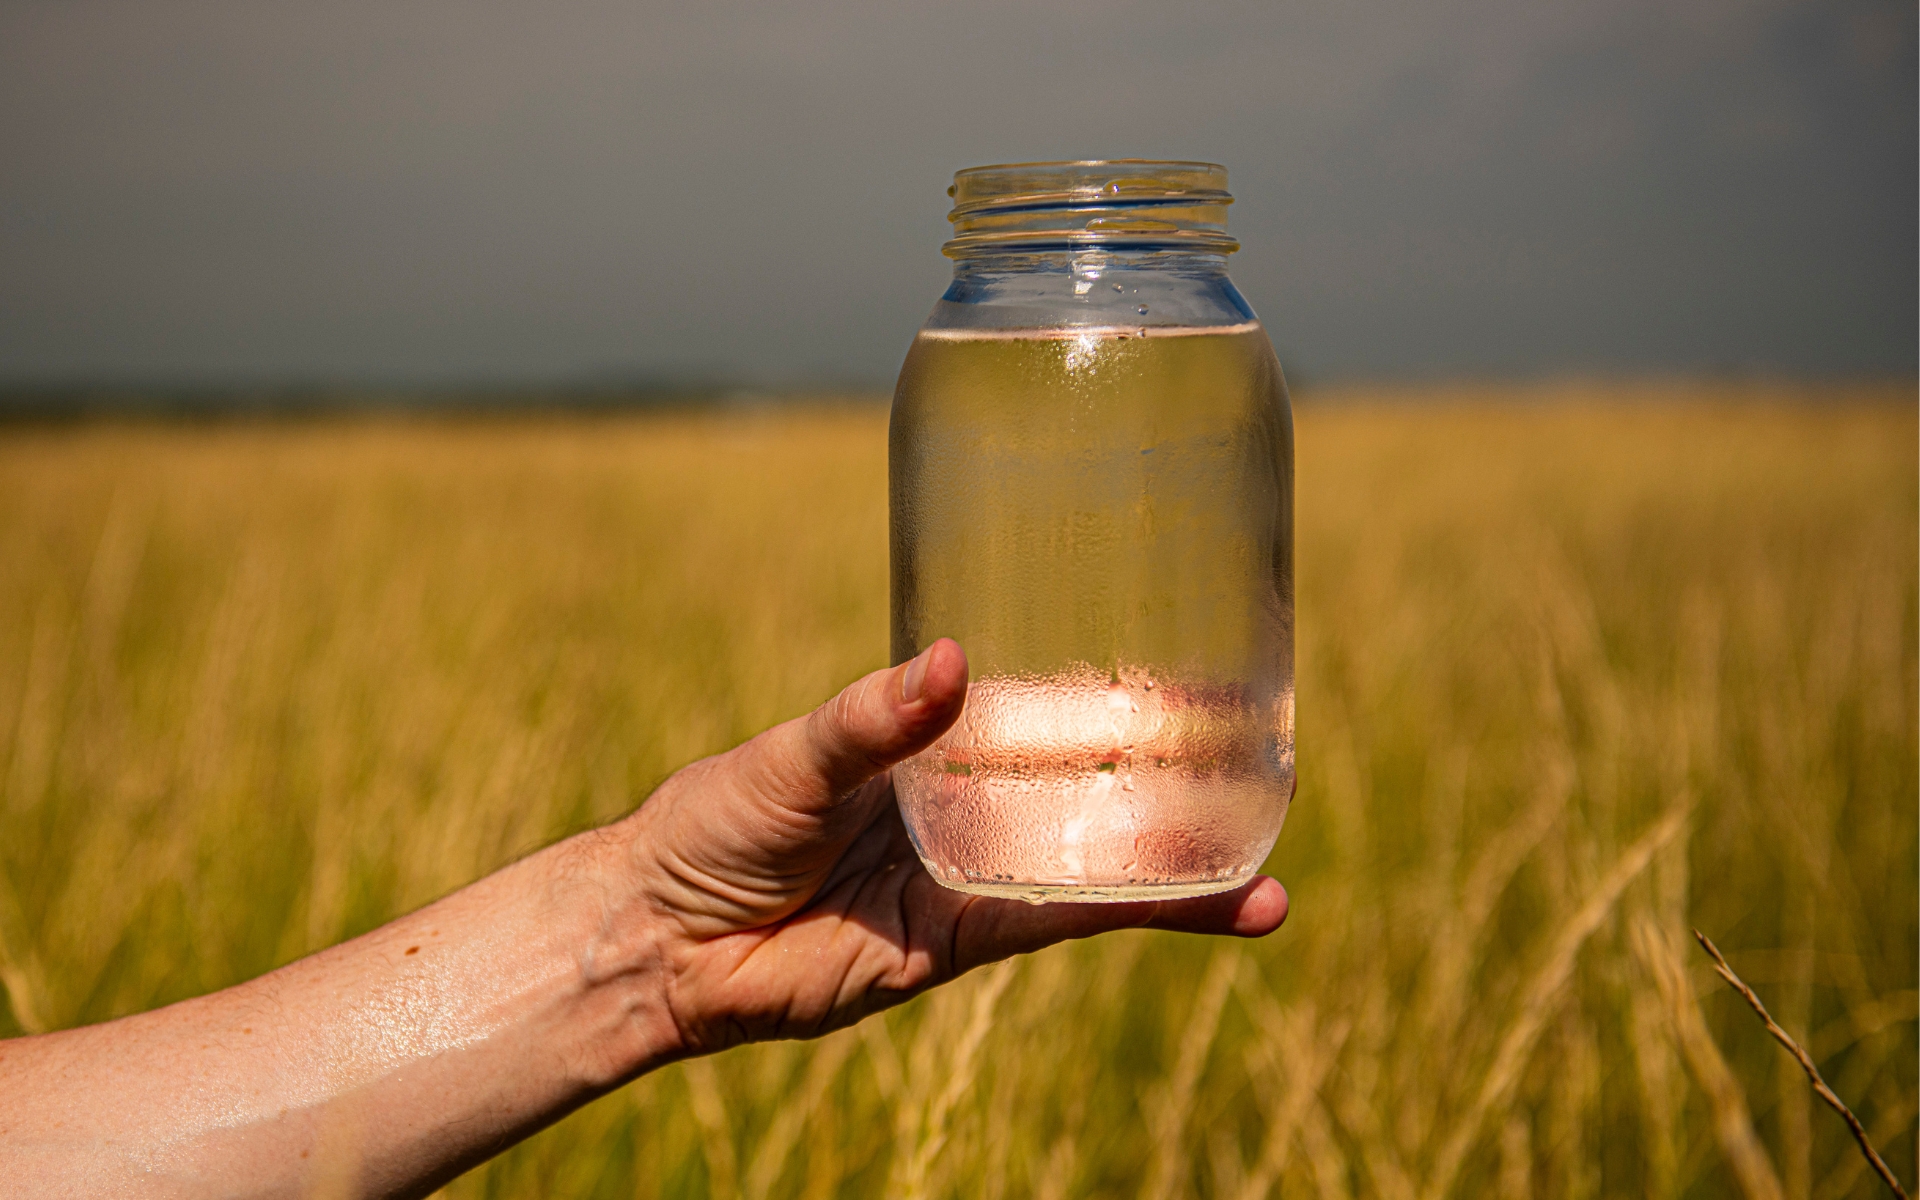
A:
[1091,487]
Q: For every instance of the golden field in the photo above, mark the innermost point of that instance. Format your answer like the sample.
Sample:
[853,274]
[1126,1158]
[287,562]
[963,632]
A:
[1581,668]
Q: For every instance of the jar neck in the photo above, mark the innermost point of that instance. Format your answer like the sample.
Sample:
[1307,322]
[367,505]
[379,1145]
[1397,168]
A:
[1122,243]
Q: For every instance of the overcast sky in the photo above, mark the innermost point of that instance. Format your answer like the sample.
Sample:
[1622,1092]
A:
[510,191]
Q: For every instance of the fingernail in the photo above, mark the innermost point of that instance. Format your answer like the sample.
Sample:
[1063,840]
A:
[915,676]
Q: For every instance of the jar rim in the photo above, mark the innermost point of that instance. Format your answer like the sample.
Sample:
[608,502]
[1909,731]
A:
[1119,203]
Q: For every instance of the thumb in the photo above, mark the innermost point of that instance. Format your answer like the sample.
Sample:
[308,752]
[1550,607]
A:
[873,723]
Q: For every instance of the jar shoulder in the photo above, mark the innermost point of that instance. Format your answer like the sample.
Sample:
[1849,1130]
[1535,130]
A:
[1069,294]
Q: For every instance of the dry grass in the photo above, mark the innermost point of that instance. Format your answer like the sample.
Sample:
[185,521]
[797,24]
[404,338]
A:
[263,687]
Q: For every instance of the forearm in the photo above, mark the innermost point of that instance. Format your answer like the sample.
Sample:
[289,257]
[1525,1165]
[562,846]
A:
[386,1064]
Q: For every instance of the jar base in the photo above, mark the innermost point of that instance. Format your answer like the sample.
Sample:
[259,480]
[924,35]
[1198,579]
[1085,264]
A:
[1088,893]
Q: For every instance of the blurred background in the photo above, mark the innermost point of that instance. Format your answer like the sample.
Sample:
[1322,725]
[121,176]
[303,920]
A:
[499,192]
[1601,321]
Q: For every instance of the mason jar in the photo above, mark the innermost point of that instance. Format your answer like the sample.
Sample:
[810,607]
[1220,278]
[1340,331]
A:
[1091,489]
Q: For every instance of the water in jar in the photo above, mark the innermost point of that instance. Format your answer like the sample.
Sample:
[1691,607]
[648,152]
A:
[1102,518]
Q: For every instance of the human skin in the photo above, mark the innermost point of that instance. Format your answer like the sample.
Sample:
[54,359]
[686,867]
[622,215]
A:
[768,892]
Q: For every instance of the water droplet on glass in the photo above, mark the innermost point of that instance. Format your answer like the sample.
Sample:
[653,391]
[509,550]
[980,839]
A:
[1117,287]
[1142,310]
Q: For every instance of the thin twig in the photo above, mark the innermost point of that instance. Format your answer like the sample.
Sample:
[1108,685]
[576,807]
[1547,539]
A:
[1806,1064]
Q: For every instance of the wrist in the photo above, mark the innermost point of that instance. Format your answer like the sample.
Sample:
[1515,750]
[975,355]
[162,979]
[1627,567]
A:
[625,959]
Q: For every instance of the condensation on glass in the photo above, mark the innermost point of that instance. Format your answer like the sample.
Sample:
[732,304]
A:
[1091,484]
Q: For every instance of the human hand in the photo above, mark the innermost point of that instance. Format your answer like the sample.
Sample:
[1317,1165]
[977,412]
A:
[789,901]
[766,892]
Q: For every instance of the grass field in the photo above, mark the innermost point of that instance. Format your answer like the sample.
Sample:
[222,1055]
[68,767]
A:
[1579,669]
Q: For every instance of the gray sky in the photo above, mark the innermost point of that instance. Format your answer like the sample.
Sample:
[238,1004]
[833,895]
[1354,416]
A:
[510,191]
